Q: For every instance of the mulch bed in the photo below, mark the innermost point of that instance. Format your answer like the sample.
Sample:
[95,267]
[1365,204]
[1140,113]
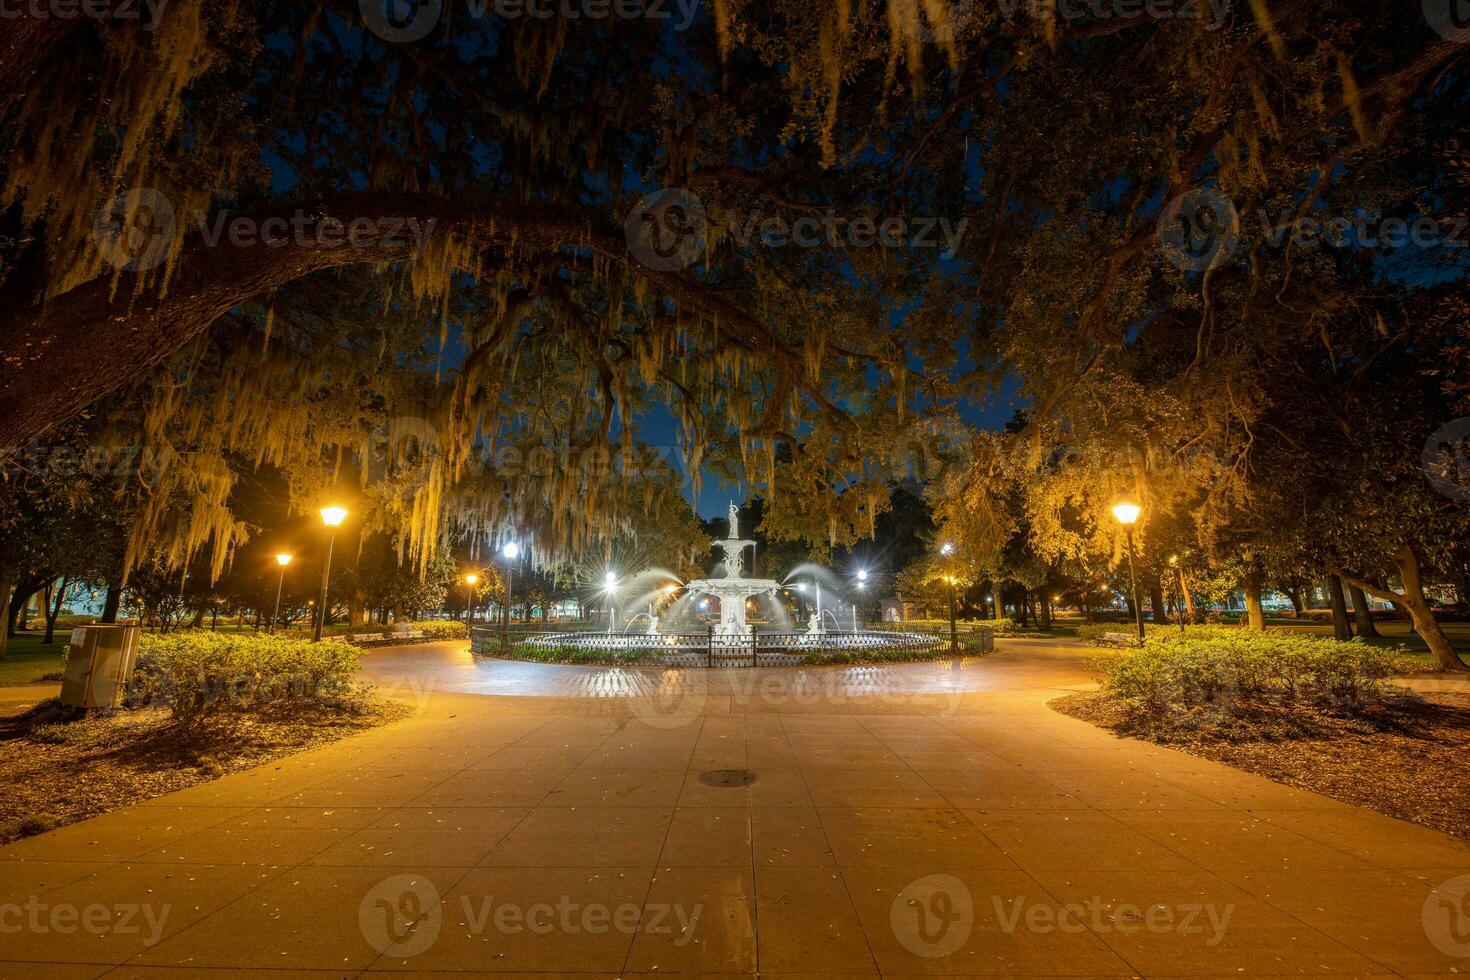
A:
[1407,757]
[58,771]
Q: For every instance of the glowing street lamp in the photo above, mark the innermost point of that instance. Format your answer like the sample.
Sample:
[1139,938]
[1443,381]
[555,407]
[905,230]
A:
[471,580]
[283,560]
[510,551]
[862,583]
[332,517]
[947,550]
[1127,513]
[610,586]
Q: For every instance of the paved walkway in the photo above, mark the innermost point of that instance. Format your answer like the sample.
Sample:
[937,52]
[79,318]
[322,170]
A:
[924,820]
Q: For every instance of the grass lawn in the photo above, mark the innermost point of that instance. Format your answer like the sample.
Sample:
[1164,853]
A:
[27,659]
[1395,637]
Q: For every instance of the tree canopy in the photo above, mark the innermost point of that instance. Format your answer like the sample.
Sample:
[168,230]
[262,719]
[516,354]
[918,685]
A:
[455,271]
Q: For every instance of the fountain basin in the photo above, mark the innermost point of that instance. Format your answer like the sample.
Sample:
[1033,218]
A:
[713,649]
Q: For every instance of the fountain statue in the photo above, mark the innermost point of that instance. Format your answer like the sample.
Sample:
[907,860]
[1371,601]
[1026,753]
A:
[734,589]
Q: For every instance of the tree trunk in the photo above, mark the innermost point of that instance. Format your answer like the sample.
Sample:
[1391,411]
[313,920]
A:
[1255,613]
[1043,610]
[1341,628]
[1362,613]
[1410,573]
[27,42]
[7,588]
[21,616]
[1295,595]
[1156,601]
[356,609]
[111,604]
[54,610]
[44,604]
[1000,606]
[1188,600]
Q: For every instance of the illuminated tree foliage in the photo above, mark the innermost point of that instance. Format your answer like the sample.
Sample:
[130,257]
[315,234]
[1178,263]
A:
[492,379]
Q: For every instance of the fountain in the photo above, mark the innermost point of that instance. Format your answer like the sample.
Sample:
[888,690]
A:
[734,590]
[733,640]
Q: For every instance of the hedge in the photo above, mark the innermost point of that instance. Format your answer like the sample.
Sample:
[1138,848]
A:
[438,629]
[200,673]
[1216,669]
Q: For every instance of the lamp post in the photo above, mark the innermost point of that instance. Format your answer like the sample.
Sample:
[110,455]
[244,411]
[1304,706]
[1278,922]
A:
[332,517]
[470,582]
[862,583]
[1127,515]
[511,551]
[1178,590]
[283,560]
[954,634]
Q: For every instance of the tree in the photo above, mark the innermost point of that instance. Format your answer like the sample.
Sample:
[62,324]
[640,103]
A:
[1157,354]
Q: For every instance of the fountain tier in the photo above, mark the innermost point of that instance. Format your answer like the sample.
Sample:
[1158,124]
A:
[734,590]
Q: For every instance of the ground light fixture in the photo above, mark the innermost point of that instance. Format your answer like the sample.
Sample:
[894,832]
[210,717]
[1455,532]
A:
[1127,513]
[332,517]
[283,560]
[510,551]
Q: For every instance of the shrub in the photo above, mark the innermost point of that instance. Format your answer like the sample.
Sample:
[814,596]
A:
[1212,669]
[441,629]
[1002,626]
[1093,632]
[874,655]
[198,674]
[583,656]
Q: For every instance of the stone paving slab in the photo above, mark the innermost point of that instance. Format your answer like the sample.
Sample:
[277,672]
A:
[898,832]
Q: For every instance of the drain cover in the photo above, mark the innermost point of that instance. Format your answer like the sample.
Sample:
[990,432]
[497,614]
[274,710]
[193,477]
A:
[728,778]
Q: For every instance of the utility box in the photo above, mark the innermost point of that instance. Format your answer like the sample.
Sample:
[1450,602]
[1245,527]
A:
[99,661]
